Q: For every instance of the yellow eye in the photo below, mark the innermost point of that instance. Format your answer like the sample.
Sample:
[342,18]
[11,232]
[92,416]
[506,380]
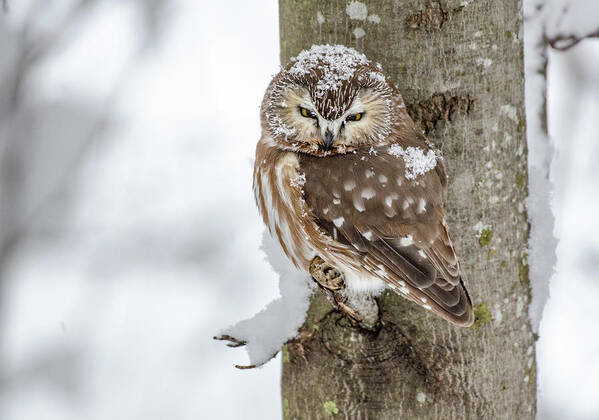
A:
[306,113]
[355,117]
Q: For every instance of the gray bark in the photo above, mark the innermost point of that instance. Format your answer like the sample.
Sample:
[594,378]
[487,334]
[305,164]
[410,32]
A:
[459,66]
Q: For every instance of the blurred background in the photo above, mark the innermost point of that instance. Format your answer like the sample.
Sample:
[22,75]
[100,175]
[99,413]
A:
[128,232]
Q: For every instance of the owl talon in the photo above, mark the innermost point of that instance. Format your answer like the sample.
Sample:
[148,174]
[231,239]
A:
[232,341]
[361,311]
[326,275]
[348,310]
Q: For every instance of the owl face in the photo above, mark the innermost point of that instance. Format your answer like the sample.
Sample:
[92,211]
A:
[330,100]
[363,121]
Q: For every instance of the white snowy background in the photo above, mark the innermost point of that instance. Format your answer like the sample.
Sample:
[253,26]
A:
[138,243]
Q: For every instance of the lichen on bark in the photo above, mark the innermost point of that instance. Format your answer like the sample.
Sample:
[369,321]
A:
[459,66]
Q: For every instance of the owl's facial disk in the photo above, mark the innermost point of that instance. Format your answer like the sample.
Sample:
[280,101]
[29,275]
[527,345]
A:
[364,122]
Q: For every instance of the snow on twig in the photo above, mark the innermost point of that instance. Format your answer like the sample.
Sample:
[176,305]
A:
[264,334]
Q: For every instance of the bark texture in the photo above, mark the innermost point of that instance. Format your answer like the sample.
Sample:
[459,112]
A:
[459,67]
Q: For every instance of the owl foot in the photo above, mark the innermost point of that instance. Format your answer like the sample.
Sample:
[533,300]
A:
[326,275]
[232,341]
[361,310]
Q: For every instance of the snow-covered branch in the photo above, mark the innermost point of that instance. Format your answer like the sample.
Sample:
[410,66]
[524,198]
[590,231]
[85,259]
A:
[264,334]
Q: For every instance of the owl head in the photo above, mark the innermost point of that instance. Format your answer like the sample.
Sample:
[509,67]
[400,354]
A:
[331,100]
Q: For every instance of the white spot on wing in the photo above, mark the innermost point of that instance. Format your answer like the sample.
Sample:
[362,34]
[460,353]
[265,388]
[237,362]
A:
[339,221]
[421,206]
[406,241]
[367,235]
[382,179]
[368,193]
[349,185]
[369,173]
[358,203]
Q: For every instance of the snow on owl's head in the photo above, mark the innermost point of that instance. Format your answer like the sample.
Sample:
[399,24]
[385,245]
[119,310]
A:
[329,100]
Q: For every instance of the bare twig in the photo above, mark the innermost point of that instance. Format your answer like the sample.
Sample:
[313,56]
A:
[565,42]
[245,367]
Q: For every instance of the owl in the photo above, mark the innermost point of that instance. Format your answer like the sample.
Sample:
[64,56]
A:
[342,175]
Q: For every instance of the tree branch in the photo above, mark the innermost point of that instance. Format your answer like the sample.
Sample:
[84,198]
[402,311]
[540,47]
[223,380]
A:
[565,42]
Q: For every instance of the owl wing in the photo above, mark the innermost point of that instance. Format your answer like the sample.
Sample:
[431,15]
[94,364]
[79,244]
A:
[394,225]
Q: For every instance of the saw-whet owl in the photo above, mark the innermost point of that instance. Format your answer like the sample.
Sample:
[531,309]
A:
[342,173]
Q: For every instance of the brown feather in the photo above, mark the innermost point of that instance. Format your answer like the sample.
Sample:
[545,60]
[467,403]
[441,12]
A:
[390,212]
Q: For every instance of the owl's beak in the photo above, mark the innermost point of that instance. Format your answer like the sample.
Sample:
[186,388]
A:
[328,139]
[329,130]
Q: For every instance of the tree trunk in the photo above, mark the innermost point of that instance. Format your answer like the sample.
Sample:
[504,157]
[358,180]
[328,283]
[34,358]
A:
[459,67]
